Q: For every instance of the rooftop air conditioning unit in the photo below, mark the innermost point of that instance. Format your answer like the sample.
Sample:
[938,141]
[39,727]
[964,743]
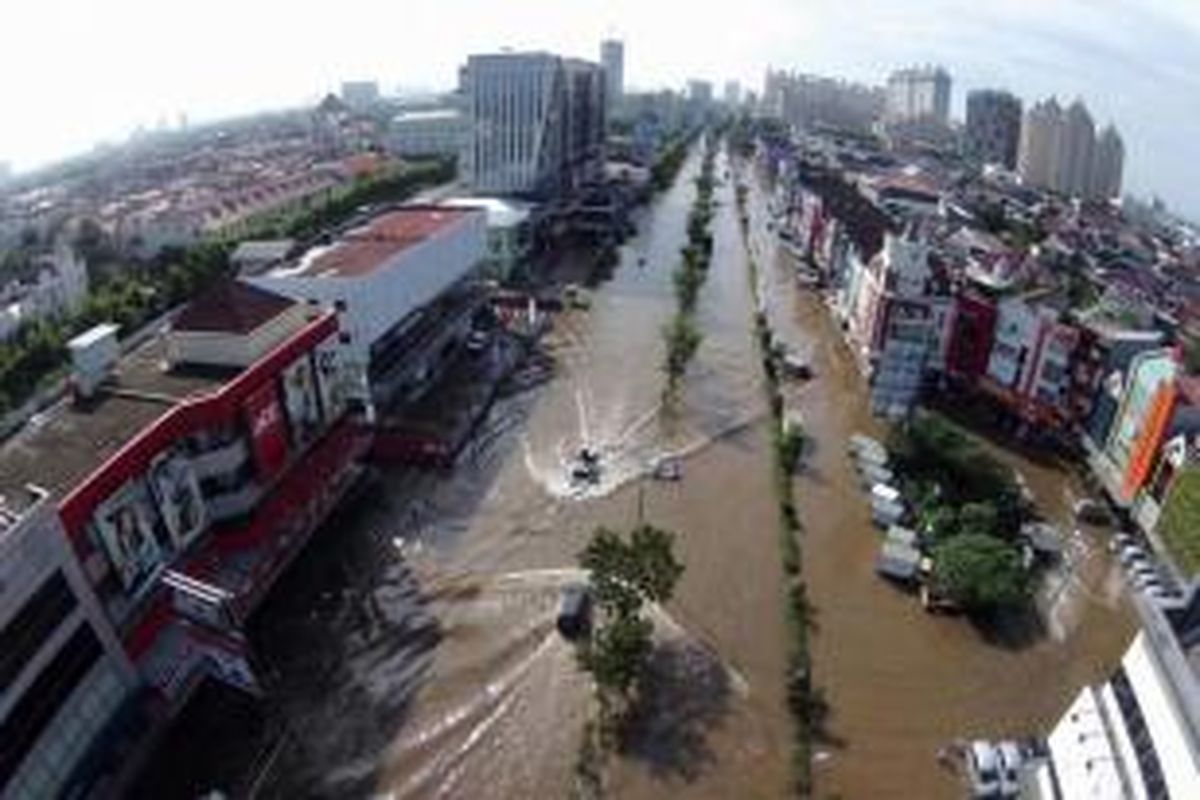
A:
[94,354]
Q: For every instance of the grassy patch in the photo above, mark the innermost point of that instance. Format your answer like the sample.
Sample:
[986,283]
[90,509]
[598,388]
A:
[1180,526]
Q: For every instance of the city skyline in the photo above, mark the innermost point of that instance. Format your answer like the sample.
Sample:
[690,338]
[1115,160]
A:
[1132,63]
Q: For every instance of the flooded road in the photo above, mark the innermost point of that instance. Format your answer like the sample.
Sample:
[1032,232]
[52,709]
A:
[413,649]
[900,683]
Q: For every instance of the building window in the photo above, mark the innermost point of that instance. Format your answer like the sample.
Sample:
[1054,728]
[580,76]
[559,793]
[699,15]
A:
[1139,736]
[339,305]
[37,620]
[344,337]
[41,702]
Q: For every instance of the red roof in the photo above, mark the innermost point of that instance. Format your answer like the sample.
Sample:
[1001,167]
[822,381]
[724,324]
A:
[365,249]
[231,307]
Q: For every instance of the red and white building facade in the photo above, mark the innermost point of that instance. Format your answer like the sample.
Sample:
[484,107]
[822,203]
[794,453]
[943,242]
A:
[181,492]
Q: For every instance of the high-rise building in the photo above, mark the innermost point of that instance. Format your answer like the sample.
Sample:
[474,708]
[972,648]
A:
[1077,151]
[732,94]
[700,92]
[535,123]
[1059,151]
[1109,163]
[809,101]
[612,58]
[1041,141]
[993,131]
[918,94]
[360,95]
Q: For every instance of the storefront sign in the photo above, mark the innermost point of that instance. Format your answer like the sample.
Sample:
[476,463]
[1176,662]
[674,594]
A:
[268,431]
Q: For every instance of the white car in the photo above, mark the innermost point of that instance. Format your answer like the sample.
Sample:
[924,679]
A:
[983,768]
[1010,768]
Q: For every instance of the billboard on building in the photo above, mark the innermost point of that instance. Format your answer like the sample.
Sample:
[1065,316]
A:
[332,378]
[125,525]
[268,432]
[177,493]
[1148,372]
[300,399]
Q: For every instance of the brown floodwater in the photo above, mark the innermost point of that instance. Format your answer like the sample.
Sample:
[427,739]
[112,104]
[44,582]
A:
[899,683]
[414,646]
[412,650]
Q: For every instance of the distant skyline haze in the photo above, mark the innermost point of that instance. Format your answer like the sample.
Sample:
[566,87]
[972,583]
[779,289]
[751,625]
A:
[77,72]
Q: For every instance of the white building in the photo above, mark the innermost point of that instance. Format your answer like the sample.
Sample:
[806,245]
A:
[63,675]
[1137,735]
[612,58]
[536,123]
[400,284]
[57,287]
[918,94]
[432,132]
[509,234]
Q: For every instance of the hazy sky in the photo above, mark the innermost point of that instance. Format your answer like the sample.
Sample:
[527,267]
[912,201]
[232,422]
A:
[76,71]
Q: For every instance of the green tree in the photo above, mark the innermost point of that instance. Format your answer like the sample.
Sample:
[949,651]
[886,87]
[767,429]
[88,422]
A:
[979,572]
[978,518]
[682,340]
[625,575]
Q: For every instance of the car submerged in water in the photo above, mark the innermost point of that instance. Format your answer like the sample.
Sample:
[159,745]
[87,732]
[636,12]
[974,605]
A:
[574,610]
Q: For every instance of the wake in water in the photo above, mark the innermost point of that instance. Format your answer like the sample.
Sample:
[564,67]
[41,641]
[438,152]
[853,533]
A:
[626,449]
[506,721]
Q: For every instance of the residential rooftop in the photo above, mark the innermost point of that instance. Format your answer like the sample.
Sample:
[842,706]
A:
[231,307]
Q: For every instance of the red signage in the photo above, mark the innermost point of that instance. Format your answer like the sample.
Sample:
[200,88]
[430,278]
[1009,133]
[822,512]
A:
[268,431]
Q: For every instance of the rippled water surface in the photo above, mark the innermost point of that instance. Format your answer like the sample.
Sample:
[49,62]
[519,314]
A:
[413,649]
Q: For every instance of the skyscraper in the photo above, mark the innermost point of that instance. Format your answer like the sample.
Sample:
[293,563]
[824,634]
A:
[732,94]
[1109,163]
[1041,141]
[993,131]
[918,94]
[612,58]
[535,123]
[1059,151]
[1077,151]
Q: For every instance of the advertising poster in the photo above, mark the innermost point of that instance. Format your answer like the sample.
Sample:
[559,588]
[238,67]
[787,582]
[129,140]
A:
[301,401]
[177,492]
[331,378]
[268,433]
[126,527]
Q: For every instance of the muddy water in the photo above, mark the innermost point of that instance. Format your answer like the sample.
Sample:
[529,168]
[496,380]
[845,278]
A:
[899,683]
[413,645]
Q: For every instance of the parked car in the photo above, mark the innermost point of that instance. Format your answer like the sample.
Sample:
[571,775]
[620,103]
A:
[574,610]
[1011,760]
[983,768]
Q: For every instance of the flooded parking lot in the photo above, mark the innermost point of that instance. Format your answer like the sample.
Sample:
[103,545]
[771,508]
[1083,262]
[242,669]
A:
[900,683]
